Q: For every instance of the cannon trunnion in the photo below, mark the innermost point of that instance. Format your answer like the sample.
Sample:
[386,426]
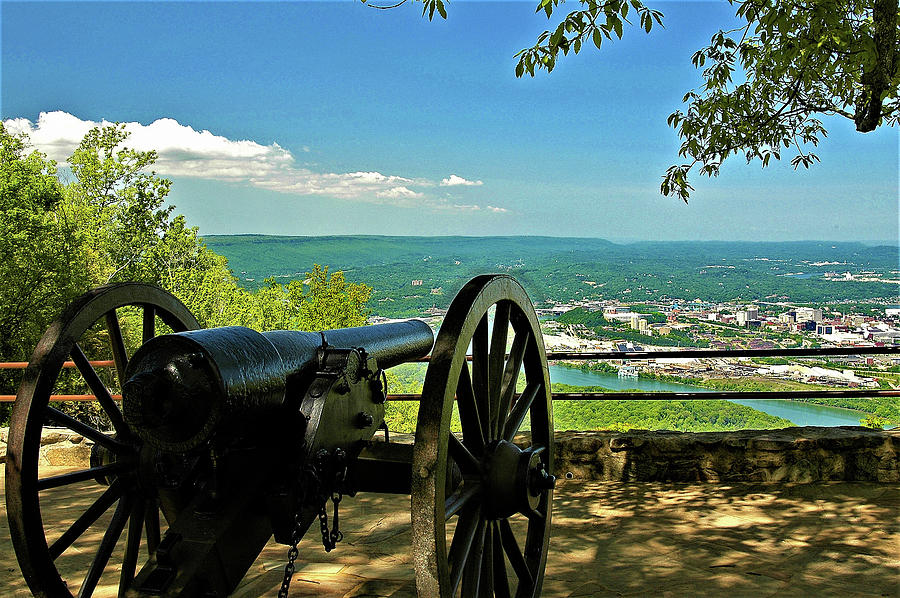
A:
[226,437]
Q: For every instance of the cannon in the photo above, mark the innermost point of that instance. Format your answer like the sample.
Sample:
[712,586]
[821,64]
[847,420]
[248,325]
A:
[219,439]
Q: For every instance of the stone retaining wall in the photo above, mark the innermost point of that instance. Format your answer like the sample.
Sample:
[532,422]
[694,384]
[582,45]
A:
[59,446]
[809,454]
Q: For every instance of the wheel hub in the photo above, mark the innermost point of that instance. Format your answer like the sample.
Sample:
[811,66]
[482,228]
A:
[514,480]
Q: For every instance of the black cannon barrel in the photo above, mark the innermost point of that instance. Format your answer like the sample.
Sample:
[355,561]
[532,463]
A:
[182,387]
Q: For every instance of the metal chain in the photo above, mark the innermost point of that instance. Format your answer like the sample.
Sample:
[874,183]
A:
[330,539]
[312,487]
[292,556]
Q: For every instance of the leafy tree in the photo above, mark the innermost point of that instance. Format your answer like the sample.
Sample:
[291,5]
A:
[37,276]
[112,224]
[327,301]
[875,422]
[125,205]
[766,82]
[797,60]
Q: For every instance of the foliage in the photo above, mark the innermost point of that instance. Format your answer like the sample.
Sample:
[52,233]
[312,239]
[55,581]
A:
[794,60]
[37,243]
[583,317]
[112,224]
[590,366]
[884,408]
[695,416]
[405,378]
[650,313]
[766,82]
[596,21]
[119,210]
[875,422]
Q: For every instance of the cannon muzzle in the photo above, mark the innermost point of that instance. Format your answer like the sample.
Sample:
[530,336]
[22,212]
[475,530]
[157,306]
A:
[180,388]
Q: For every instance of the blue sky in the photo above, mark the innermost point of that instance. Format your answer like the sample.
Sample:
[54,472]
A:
[312,118]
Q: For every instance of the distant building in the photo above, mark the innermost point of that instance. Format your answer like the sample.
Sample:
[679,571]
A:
[809,313]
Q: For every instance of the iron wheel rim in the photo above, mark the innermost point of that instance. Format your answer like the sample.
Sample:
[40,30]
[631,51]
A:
[29,417]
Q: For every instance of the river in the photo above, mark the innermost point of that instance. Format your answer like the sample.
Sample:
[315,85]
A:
[802,414]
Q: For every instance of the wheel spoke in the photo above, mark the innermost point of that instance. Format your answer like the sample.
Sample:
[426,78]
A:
[535,515]
[99,389]
[117,343]
[78,476]
[520,410]
[151,524]
[58,417]
[480,375]
[459,499]
[514,554]
[497,355]
[107,544]
[511,377]
[464,459]
[467,528]
[501,582]
[132,547]
[86,519]
[468,411]
[486,584]
[148,330]
[471,573]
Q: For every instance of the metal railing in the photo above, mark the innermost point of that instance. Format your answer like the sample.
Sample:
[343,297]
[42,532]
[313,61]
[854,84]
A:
[709,395]
[637,355]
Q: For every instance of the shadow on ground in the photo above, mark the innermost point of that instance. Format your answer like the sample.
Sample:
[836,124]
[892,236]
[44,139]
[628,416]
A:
[609,539]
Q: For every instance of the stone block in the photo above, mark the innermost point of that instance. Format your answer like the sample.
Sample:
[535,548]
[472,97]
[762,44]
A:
[67,454]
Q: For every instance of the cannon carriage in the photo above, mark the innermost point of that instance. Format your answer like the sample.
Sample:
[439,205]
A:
[226,437]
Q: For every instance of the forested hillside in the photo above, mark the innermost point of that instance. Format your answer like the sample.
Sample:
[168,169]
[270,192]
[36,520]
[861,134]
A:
[565,269]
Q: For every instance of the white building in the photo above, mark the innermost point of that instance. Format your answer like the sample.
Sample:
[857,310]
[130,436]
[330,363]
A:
[805,314]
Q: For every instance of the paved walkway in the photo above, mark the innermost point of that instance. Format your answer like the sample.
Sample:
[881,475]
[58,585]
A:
[611,539]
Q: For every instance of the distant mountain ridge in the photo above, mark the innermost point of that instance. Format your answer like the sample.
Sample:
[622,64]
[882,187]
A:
[568,268]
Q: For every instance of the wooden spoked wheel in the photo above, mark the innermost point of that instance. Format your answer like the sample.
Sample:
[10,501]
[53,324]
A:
[481,505]
[111,483]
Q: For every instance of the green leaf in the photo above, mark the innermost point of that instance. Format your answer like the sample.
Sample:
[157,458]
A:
[598,38]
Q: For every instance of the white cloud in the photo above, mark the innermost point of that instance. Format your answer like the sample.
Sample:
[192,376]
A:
[476,208]
[186,152]
[399,193]
[454,180]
